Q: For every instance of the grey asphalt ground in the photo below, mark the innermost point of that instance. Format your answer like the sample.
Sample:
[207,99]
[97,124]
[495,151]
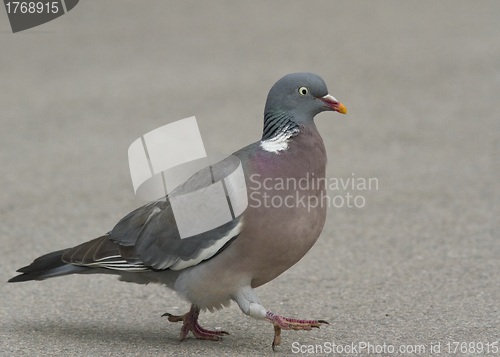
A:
[418,265]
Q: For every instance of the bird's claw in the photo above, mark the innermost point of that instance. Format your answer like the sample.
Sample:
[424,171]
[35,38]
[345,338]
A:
[285,323]
[173,318]
[190,323]
[277,336]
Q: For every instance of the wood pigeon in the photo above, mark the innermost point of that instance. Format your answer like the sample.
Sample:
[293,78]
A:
[284,174]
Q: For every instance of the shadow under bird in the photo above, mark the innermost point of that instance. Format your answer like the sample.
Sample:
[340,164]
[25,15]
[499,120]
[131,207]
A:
[227,263]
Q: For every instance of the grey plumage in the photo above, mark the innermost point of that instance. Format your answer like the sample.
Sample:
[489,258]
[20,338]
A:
[47,266]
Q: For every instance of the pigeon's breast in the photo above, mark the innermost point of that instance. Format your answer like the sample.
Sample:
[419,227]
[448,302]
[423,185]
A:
[286,208]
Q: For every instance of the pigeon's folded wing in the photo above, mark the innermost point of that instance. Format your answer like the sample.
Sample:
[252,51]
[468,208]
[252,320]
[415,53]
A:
[149,237]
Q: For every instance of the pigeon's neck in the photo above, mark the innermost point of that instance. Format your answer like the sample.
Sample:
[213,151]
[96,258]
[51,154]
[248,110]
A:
[278,129]
[279,124]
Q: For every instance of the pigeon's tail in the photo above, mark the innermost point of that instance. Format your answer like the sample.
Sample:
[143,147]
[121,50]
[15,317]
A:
[47,266]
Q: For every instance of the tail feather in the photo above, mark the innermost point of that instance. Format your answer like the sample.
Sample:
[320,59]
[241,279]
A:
[47,266]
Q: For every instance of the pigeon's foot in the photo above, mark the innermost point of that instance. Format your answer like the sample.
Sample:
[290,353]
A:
[286,323]
[190,321]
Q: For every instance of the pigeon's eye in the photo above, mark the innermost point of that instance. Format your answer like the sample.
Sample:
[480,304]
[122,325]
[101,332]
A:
[303,91]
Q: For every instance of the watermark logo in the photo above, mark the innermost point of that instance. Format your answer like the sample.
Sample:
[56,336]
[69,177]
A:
[309,191]
[172,161]
[386,349]
[24,15]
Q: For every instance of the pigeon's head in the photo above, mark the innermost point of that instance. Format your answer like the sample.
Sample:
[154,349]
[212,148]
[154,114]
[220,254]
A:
[301,96]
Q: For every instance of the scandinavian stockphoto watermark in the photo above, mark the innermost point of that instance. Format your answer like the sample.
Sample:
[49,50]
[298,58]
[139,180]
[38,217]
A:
[310,191]
[385,349]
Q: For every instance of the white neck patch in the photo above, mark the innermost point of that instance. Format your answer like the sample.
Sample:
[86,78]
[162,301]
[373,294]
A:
[277,143]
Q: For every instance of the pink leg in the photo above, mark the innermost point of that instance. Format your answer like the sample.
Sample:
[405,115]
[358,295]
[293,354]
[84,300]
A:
[190,323]
[285,323]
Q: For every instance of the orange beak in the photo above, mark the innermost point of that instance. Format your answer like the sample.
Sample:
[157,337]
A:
[333,104]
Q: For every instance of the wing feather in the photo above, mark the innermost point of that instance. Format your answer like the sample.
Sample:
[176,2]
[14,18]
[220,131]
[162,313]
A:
[101,253]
